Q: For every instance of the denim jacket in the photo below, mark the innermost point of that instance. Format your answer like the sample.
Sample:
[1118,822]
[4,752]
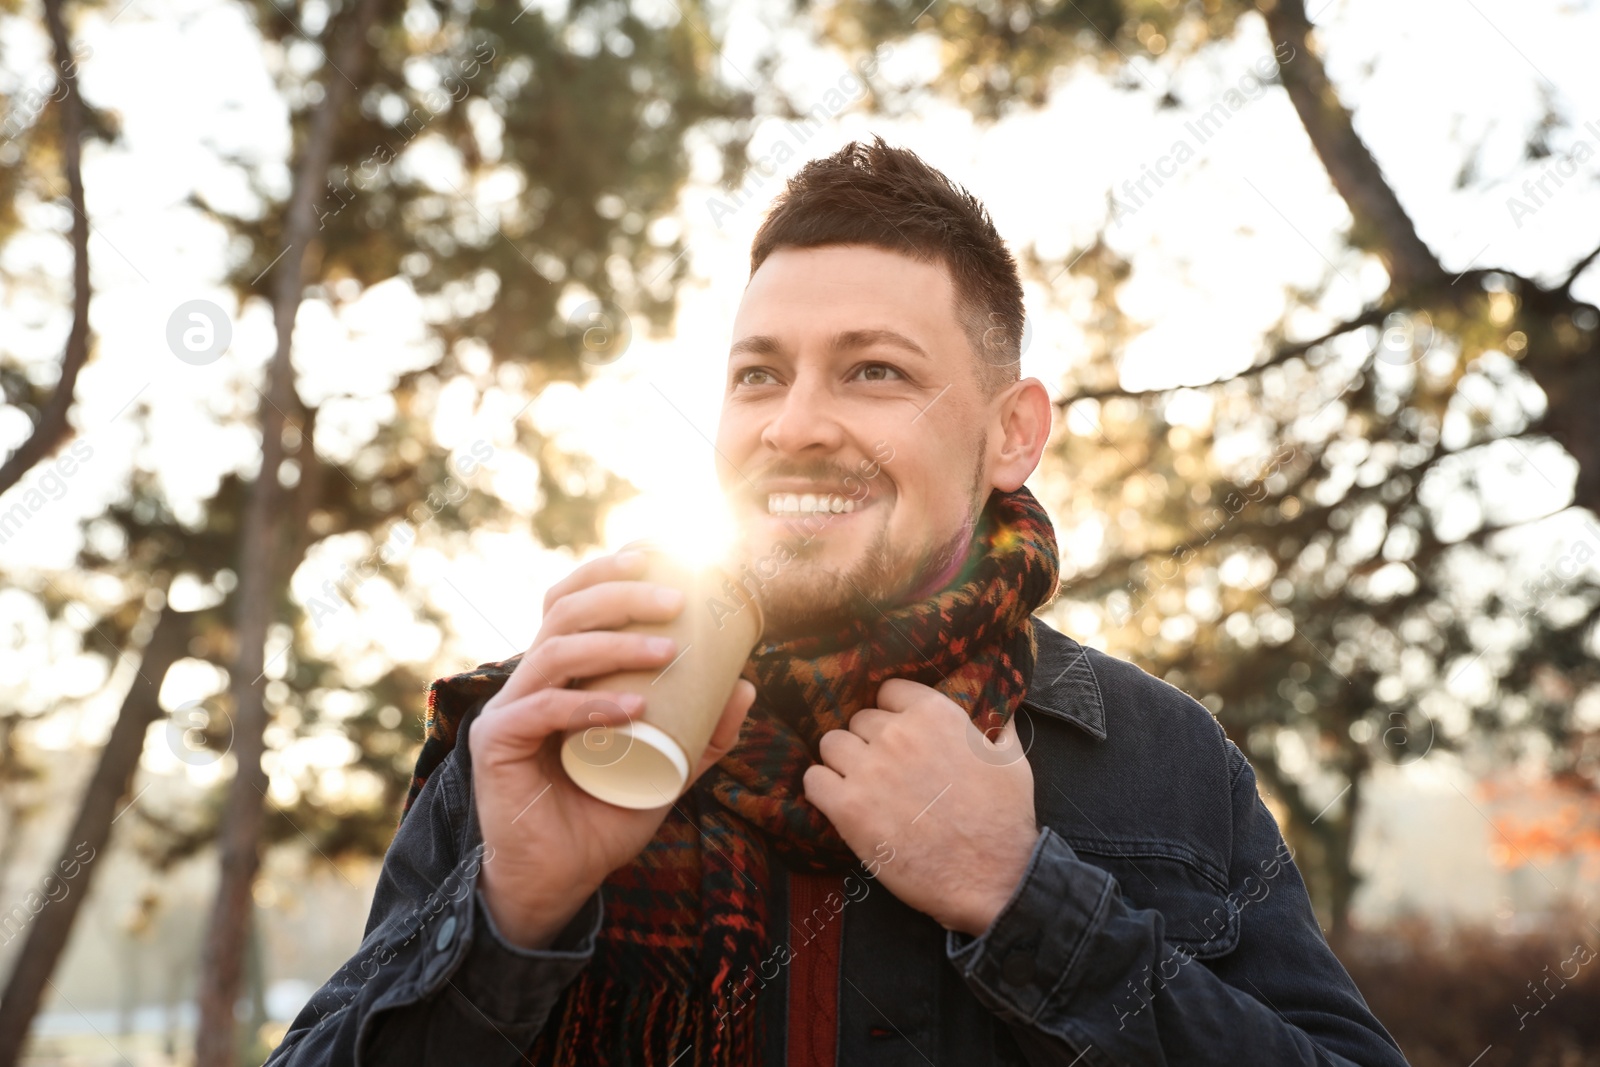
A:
[1160,920]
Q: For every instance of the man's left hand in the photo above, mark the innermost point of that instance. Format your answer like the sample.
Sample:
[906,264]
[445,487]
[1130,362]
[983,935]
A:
[956,808]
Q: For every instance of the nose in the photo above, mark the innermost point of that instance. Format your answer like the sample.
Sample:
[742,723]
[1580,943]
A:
[806,420]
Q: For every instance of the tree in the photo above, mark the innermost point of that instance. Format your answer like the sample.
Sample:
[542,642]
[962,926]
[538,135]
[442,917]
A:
[458,104]
[91,830]
[51,427]
[1312,593]
[239,838]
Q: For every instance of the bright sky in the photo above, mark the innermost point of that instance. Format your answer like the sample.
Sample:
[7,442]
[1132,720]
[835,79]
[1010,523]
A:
[1249,215]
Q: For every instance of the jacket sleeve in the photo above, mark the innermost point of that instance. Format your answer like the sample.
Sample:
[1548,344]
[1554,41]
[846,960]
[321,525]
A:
[1080,977]
[433,981]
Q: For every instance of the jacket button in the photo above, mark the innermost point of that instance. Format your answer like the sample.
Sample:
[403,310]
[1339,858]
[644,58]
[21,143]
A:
[1017,968]
[447,930]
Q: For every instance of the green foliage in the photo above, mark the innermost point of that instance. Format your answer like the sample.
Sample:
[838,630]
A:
[504,164]
[998,55]
[1319,594]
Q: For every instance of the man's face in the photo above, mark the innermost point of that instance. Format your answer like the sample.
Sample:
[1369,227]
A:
[855,438]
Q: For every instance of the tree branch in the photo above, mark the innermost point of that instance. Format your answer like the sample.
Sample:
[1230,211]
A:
[1370,317]
[1577,269]
[52,429]
[1381,223]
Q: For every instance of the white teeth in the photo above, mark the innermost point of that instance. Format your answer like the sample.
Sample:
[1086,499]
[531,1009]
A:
[809,504]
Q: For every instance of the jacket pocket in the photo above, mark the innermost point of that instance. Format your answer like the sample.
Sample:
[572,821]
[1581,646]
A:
[1199,914]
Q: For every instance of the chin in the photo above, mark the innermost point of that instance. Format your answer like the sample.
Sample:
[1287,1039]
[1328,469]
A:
[816,591]
[808,599]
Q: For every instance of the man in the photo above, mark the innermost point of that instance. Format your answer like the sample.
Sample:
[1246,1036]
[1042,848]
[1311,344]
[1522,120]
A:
[929,828]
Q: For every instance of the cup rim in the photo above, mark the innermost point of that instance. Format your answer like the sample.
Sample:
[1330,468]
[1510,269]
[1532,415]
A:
[647,734]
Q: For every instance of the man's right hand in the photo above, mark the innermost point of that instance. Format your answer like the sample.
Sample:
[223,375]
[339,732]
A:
[548,844]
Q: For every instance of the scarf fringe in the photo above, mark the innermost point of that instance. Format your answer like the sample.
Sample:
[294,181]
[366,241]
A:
[602,1021]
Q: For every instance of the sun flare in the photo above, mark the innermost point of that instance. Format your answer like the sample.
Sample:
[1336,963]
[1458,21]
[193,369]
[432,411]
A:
[693,524]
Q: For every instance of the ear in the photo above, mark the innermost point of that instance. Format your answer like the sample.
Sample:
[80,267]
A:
[1024,412]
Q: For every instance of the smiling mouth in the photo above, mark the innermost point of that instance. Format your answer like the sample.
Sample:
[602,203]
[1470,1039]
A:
[809,504]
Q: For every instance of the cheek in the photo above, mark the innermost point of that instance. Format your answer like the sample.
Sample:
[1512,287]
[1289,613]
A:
[736,438]
[930,497]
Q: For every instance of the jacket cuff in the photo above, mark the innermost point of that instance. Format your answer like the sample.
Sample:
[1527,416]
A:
[513,986]
[1031,947]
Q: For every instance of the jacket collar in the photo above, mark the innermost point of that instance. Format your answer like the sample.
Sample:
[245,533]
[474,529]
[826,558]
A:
[1064,685]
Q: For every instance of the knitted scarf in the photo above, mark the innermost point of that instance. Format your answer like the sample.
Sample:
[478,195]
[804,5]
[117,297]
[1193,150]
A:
[686,922]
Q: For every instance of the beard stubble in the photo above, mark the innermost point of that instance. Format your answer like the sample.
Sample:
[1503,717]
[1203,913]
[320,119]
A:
[807,597]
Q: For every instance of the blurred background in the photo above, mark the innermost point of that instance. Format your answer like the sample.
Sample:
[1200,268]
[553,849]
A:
[1314,291]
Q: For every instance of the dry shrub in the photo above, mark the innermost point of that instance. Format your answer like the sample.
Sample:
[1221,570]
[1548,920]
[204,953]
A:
[1447,994]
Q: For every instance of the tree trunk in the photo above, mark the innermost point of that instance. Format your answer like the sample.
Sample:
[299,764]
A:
[13,815]
[256,965]
[52,428]
[91,829]
[1343,880]
[222,956]
[1329,839]
[1381,223]
[1563,361]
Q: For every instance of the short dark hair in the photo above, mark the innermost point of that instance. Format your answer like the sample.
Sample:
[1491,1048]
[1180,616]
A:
[872,194]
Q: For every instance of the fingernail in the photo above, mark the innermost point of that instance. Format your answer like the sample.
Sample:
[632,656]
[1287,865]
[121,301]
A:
[630,558]
[669,597]
[662,645]
[630,702]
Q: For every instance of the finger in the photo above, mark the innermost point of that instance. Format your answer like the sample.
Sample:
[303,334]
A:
[619,566]
[841,751]
[726,735]
[526,678]
[902,696]
[620,603]
[519,728]
[822,786]
[567,658]
[869,723]
[611,605]
[899,694]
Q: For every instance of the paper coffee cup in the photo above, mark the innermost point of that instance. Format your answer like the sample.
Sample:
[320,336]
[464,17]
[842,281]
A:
[646,762]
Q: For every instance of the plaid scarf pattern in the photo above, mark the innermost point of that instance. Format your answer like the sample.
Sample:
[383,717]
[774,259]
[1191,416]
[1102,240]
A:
[686,923]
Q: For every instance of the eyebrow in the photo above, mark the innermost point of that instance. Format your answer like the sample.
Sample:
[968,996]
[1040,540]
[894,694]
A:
[844,341]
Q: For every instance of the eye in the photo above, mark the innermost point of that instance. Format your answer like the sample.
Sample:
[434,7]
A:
[878,372]
[754,376]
